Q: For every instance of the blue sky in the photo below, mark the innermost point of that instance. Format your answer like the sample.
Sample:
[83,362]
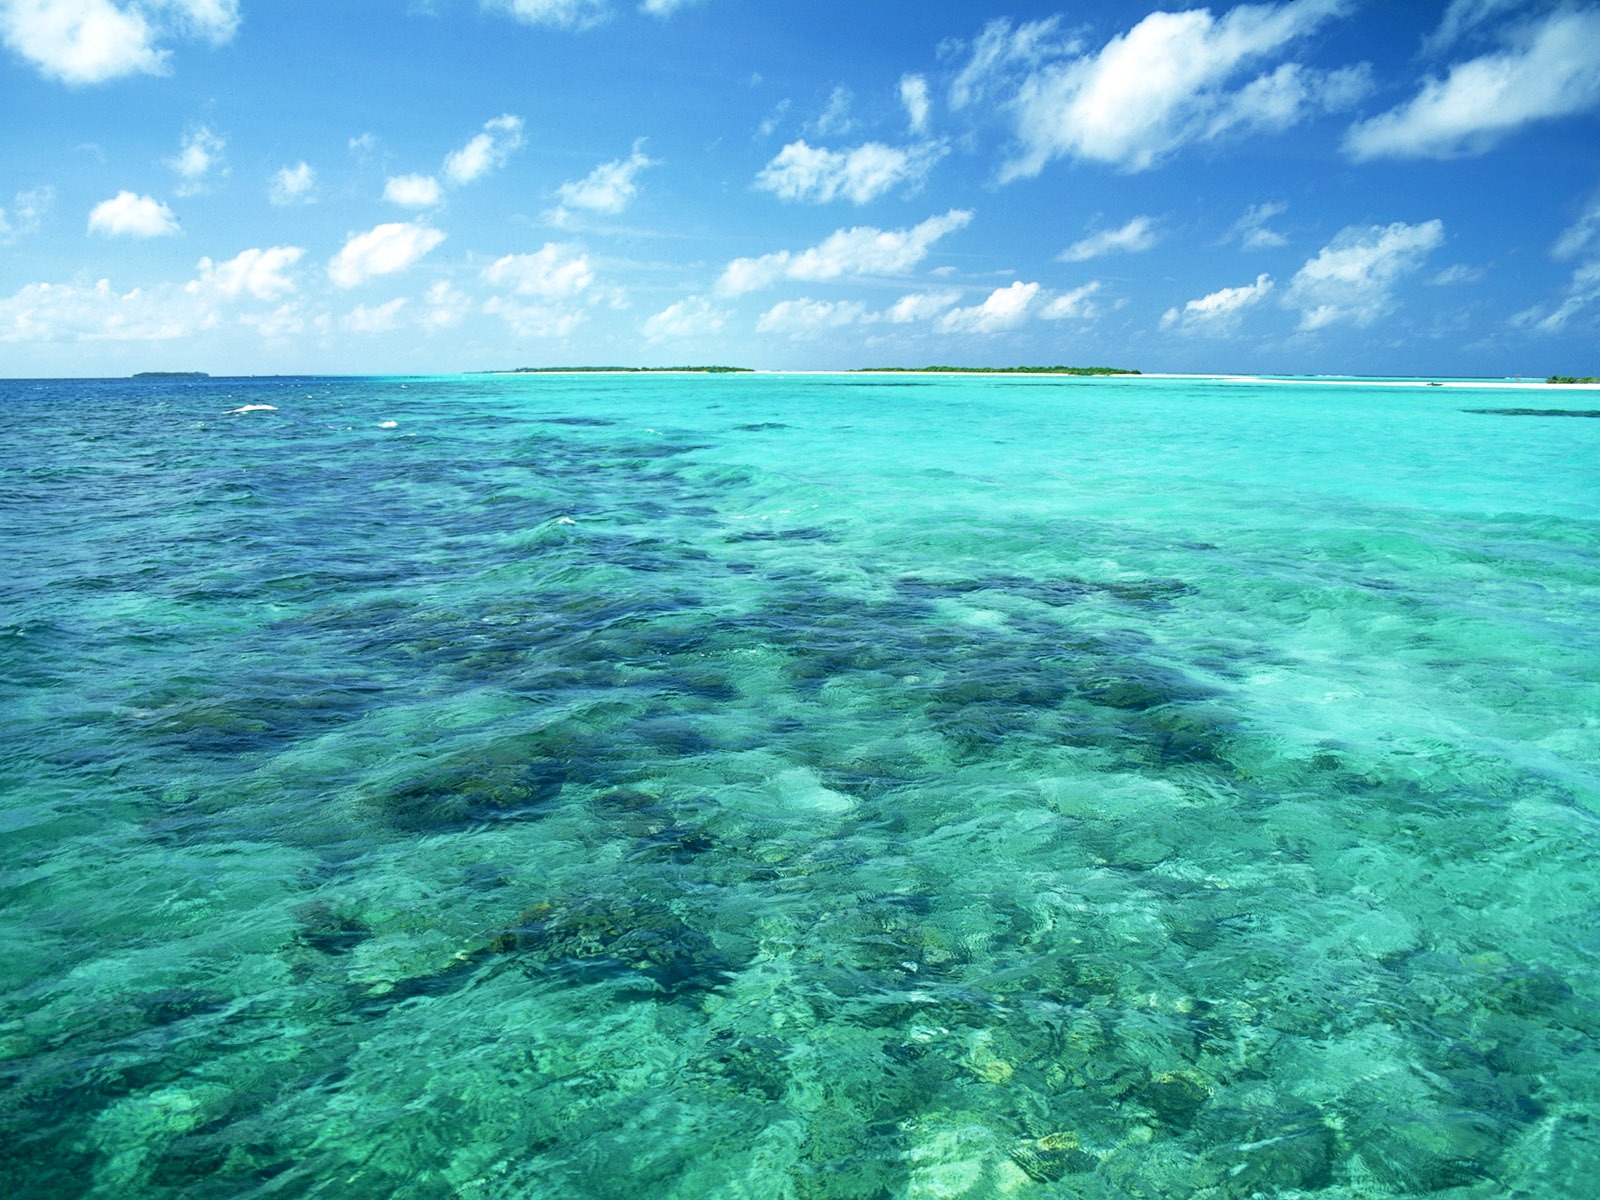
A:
[285,186]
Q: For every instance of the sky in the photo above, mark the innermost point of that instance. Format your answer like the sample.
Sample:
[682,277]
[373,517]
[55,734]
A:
[417,186]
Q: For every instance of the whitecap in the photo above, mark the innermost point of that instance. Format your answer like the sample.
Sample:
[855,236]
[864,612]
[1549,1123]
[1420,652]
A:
[254,408]
[388,424]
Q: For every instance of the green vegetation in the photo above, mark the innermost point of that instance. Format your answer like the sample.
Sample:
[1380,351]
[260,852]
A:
[1573,379]
[630,370]
[1001,370]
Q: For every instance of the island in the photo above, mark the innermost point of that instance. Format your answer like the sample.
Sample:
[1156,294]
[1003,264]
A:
[171,375]
[1573,379]
[995,371]
[629,371]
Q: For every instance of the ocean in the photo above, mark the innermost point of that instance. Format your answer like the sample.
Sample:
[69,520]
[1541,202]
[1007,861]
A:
[791,786]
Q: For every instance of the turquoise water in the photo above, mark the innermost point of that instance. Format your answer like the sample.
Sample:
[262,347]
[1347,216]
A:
[798,787]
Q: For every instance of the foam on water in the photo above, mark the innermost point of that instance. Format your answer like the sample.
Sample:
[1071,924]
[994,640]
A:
[834,786]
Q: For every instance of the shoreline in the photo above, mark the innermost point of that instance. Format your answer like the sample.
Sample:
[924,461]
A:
[1419,381]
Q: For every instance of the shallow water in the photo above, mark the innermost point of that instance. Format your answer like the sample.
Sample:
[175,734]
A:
[798,787]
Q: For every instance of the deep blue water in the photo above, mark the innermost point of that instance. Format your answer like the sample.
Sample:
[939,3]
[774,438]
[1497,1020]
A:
[798,786]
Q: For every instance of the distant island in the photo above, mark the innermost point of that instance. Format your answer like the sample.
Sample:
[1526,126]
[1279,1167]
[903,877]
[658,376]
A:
[630,371]
[996,370]
[1573,379]
[171,375]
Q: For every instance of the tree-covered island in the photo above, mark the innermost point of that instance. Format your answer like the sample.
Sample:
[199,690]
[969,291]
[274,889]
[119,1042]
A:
[995,371]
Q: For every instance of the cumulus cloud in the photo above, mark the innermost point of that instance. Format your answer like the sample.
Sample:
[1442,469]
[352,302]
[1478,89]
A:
[447,306]
[221,294]
[54,312]
[488,150]
[1352,279]
[1172,80]
[293,185]
[1251,229]
[382,250]
[1138,234]
[918,103]
[413,191]
[693,316]
[92,41]
[863,250]
[608,189]
[1550,70]
[26,214]
[1074,305]
[198,156]
[1220,312]
[665,8]
[552,271]
[816,176]
[534,320]
[260,274]
[130,215]
[807,318]
[922,306]
[563,14]
[1006,308]
[380,318]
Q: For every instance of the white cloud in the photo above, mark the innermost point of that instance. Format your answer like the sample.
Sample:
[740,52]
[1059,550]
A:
[1353,278]
[294,185]
[560,14]
[128,215]
[1220,312]
[447,306]
[486,151]
[918,104]
[46,312]
[199,155]
[1006,308]
[665,8]
[380,318]
[817,176]
[1138,234]
[835,117]
[53,312]
[1251,229]
[1581,236]
[1166,83]
[534,320]
[1000,51]
[1582,292]
[1462,17]
[553,270]
[1551,70]
[864,250]
[1456,275]
[413,191]
[693,316]
[608,189]
[807,318]
[1074,305]
[26,215]
[382,250]
[261,274]
[92,41]
[922,306]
